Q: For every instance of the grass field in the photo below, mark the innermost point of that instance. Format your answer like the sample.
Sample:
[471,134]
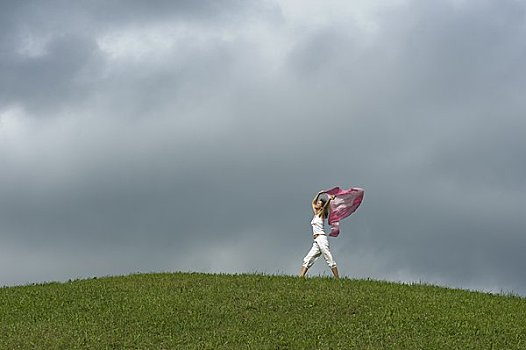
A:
[206,311]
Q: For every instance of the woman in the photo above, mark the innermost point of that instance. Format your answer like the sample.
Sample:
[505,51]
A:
[320,246]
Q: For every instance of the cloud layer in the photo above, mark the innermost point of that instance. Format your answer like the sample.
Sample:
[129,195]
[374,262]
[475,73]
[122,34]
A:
[192,136]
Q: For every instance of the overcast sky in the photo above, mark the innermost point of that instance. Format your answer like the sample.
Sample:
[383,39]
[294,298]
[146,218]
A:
[192,135]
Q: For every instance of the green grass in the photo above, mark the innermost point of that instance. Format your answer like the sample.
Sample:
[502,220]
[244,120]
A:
[206,311]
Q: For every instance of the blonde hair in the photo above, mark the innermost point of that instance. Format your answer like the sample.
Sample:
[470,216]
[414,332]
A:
[325,211]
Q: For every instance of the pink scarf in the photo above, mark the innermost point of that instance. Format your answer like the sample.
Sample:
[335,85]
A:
[343,205]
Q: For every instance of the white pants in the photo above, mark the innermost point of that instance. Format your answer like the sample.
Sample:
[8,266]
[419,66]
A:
[319,246]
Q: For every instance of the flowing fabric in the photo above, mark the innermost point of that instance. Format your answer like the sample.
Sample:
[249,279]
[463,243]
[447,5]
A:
[344,204]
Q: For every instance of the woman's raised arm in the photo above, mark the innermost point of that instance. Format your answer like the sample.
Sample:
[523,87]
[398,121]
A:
[315,200]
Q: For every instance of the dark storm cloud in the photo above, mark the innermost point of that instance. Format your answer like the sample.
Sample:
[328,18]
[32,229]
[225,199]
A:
[192,135]
[48,81]
[49,49]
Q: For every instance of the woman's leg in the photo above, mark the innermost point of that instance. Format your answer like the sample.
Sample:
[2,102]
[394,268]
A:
[310,258]
[335,272]
[303,271]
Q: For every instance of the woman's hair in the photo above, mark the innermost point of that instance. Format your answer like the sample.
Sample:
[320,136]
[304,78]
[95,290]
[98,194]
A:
[325,213]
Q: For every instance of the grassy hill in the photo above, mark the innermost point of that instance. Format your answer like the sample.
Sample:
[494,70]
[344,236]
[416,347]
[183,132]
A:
[206,311]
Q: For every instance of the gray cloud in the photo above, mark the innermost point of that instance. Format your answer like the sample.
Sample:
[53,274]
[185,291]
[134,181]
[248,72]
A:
[191,136]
